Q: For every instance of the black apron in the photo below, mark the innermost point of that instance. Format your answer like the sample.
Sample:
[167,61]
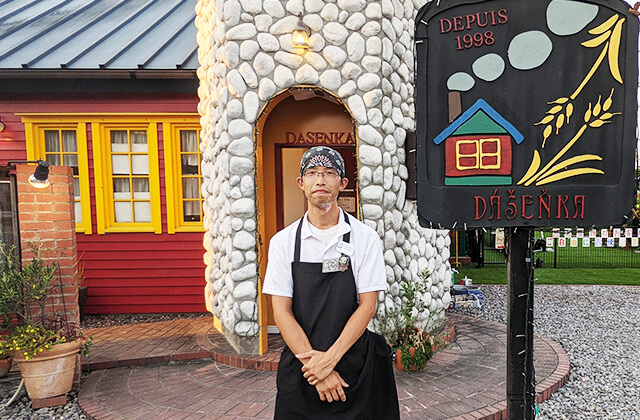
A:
[322,305]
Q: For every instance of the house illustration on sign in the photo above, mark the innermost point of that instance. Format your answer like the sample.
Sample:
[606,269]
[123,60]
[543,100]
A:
[478,147]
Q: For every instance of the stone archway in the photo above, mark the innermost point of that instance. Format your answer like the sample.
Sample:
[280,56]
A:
[290,123]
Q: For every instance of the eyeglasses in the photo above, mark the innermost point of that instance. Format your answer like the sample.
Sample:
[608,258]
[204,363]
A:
[330,174]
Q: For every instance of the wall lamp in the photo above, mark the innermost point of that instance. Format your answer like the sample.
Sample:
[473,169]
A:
[300,35]
[40,177]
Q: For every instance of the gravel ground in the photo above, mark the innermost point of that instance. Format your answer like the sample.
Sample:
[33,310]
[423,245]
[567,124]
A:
[596,325]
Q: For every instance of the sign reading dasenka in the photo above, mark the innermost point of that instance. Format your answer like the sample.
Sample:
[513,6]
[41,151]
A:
[526,112]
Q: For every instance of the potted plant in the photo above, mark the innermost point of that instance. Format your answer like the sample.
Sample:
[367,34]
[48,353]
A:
[43,344]
[5,363]
[411,343]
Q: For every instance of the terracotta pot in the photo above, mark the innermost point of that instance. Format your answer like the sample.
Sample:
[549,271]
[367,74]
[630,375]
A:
[398,363]
[50,374]
[5,367]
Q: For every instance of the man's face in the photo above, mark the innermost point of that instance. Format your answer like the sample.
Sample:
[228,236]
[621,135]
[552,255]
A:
[321,186]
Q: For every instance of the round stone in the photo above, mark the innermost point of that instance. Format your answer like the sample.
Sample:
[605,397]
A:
[351,71]
[266,89]
[355,47]
[292,61]
[263,22]
[248,75]
[315,60]
[244,240]
[251,106]
[241,32]
[231,13]
[355,21]
[330,12]
[314,22]
[371,29]
[373,11]
[372,98]
[252,6]
[370,135]
[348,89]
[239,128]
[284,26]
[248,49]
[263,64]
[295,7]
[307,75]
[331,80]
[352,5]
[358,110]
[368,81]
[313,6]
[335,56]
[273,8]
[283,77]
[370,155]
[234,109]
[335,33]
[316,42]
[241,147]
[268,42]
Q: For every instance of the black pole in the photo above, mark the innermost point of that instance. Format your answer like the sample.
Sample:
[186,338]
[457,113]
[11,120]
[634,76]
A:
[520,373]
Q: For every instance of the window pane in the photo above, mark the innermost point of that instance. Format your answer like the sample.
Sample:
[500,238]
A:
[189,141]
[142,211]
[119,141]
[122,211]
[52,141]
[76,188]
[190,188]
[141,188]
[139,141]
[53,159]
[78,211]
[71,160]
[191,211]
[140,164]
[120,164]
[190,164]
[69,143]
[121,185]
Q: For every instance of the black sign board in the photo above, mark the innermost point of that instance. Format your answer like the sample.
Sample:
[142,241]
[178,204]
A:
[526,112]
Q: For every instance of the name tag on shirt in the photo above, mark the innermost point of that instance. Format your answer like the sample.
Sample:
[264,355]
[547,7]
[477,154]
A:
[345,248]
[335,264]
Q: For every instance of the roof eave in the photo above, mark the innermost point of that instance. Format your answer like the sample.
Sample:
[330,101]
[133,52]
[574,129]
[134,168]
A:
[97,74]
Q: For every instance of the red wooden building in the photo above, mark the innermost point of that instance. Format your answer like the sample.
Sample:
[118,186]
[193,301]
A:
[110,89]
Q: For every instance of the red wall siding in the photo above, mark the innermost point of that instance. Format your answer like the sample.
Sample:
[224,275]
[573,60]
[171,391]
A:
[125,272]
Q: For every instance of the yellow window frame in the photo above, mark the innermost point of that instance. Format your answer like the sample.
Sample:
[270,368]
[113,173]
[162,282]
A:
[173,177]
[35,126]
[484,154]
[103,172]
[460,155]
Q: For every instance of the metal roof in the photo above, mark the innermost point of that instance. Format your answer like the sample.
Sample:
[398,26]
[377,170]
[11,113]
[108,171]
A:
[97,37]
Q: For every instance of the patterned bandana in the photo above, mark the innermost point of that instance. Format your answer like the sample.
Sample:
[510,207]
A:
[322,156]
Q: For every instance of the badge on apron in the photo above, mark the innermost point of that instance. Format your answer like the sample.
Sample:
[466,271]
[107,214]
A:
[343,263]
[335,264]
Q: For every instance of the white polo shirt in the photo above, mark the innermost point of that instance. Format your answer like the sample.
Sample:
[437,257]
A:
[367,261]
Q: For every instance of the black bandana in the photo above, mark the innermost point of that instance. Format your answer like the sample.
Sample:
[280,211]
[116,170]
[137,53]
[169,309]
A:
[322,156]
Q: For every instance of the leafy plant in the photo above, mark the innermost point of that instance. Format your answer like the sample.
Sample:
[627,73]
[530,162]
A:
[24,290]
[400,326]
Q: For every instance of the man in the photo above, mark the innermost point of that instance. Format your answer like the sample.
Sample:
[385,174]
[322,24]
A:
[324,274]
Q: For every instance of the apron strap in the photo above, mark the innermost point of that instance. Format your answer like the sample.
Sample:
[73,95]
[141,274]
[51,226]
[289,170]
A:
[296,253]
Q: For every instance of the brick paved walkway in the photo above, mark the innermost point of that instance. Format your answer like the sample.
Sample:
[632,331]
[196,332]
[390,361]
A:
[172,373]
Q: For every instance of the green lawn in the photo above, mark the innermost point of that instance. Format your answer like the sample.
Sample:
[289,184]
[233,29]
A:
[613,276]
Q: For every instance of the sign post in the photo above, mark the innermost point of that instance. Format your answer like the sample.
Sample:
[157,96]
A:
[525,117]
